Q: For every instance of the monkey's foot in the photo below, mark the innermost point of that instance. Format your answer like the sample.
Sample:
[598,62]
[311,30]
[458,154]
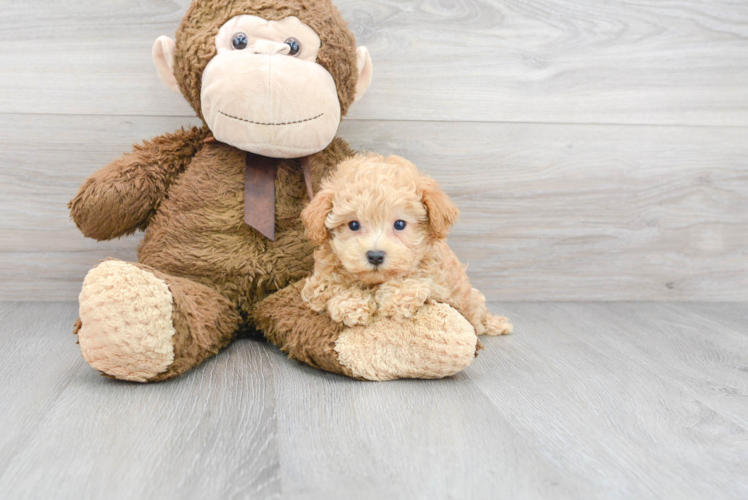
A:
[140,324]
[126,316]
[436,342]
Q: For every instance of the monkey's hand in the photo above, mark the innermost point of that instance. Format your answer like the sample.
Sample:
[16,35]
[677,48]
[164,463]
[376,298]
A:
[121,197]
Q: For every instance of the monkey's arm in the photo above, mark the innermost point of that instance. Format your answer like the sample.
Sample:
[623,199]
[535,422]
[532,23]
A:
[121,197]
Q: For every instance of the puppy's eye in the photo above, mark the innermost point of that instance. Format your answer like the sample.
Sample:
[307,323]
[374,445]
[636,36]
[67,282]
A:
[400,225]
[295,46]
[240,41]
[354,225]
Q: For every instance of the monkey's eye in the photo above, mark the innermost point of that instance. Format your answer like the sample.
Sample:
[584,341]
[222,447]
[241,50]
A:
[240,41]
[295,46]
[400,225]
[354,225]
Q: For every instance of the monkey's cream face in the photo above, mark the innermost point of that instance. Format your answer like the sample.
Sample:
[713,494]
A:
[264,91]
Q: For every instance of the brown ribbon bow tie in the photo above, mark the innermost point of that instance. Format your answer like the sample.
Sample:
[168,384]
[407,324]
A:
[259,190]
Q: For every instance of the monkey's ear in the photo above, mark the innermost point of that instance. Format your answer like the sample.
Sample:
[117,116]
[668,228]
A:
[365,72]
[163,56]
[442,212]
[314,216]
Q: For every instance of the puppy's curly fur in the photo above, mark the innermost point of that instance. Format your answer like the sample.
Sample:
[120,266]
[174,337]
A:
[375,208]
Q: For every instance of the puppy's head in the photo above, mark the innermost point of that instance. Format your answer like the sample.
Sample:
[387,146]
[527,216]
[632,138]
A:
[379,216]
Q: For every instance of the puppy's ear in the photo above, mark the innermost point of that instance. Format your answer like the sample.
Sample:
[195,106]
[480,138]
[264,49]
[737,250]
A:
[442,212]
[314,216]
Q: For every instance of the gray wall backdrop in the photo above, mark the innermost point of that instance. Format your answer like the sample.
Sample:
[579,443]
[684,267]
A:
[598,149]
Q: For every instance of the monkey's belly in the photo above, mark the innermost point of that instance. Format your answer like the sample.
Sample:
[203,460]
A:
[199,232]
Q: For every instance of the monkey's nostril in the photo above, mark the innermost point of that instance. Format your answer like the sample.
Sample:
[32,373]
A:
[375,258]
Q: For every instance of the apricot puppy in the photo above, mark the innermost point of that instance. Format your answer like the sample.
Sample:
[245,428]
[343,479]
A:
[381,227]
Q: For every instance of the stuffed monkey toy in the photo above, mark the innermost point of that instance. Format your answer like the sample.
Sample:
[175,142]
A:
[224,248]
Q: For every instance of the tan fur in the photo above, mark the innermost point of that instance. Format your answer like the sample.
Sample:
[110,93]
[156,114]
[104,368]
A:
[314,216]
[419,265]
[126,316]
[139,324]
[439,343]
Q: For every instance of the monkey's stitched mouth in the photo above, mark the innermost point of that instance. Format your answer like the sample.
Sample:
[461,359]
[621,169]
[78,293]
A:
[273,124]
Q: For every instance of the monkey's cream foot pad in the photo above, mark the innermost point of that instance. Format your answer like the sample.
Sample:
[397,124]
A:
[437,342]
[126,322]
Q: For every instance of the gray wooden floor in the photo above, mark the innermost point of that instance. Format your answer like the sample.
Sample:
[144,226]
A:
[585,400]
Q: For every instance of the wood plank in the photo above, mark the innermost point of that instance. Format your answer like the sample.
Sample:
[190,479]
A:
[573,383]
[44,161]
[211,434]
[548,211]
[597,400]
[340,438]
[39,359]
[703,356]
[464,60]
[726,314]
[552,212]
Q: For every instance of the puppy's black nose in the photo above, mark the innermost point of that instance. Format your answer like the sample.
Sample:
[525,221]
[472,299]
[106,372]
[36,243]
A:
[375,258]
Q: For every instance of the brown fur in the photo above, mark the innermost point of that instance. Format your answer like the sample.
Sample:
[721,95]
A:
[303,335]
[199,245]
[188,197]
[222,275]
[199,232]
[205,322]
[122,197]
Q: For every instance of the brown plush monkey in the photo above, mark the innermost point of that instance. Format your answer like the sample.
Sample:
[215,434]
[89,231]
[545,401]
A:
[224,248]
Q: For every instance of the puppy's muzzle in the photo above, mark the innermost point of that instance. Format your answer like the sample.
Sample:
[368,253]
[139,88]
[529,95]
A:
[375,258]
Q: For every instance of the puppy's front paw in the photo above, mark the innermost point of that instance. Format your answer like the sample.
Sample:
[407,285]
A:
[351,310]
[351,318]
[496,325]
[402,300]
[399,310]
[401,306]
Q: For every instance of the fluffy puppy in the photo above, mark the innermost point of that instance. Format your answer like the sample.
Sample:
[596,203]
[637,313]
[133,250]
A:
[381,227]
